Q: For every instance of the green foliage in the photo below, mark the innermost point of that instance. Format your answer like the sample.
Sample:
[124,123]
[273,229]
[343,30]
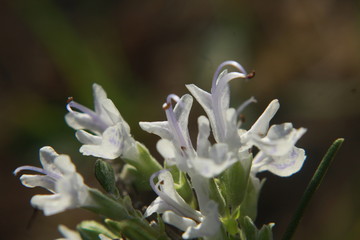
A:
[105,174]
[90,230]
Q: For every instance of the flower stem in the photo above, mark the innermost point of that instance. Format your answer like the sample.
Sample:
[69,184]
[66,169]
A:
[312,187]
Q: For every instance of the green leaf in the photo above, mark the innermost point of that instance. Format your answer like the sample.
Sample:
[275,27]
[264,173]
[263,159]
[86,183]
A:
[249,205]
[90,230]
[135,229]
[106,206]
[105,174]
[235,182]
[145,166]
[312,187]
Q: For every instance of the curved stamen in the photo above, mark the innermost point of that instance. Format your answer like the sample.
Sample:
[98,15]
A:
[37,169]
[185,211]
[221,66]
[173,123]
[95,117]
[218,86]
[245,104]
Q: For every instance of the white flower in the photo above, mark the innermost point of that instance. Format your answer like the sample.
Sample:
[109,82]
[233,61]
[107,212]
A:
[178,213]
[278,153]
[216,103]
[103,132]
[68,233]
[176,147]
[60,178]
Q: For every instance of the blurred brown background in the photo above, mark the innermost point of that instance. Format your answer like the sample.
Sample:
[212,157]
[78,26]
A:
[305,53]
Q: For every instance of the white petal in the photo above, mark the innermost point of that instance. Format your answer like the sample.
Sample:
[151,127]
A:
[209,226]
[261,126]
[79,121]
[282,166]
[157,206]
[182,111]
[51,204]
[220,158]
[208,168]
[113,113]
[158,128]
[203,143]
[68,233]
[166,149]
[203,97]
[177,221]
[111,146]
[87,138]
[279,140]
[38,181]
[99,95]
[47,158]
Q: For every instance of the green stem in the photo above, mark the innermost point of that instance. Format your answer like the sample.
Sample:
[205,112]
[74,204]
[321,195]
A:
[312,187]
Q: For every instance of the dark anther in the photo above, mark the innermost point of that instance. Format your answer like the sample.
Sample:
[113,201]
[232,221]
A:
[250,75]
[162,182]
[166,106]
[69,99]
[242,118]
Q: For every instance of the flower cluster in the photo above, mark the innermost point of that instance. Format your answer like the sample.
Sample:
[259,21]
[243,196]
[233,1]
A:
[208,189]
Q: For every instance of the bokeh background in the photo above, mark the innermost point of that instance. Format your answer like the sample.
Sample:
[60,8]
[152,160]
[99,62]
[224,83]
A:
[305,53]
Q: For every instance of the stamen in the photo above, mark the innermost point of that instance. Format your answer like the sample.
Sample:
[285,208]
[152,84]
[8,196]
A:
[69,99]
[37,169]
[250,75]
[221,66]
[173,123]
[217,88]
[245,104]
[95,117]
[176,207]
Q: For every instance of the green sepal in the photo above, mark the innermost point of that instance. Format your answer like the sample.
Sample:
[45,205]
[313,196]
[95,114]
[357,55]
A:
[129,206]
[265,232]
[145,166]
[250,232]
[230,221]
[90,230]
[106,206]
[235,181]
[249,205]
[248,229]
[105,174]
[135,229]
[216,195]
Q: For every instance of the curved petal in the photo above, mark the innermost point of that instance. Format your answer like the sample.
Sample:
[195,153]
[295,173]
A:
[261,126]
[47,158]
[283,166]
[38,181]
[209,226]
[87,138]
[158,128]
[111,146]
[68,233]
[177,221]
[51,204]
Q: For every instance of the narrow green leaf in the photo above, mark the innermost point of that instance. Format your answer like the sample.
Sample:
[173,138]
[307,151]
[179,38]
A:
[312,187]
